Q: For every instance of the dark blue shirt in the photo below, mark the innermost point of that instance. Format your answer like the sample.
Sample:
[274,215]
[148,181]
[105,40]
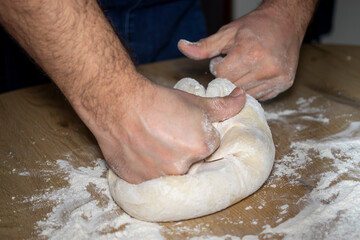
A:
[150,29]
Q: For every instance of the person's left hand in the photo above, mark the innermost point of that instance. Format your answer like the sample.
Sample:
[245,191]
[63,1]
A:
[262,51]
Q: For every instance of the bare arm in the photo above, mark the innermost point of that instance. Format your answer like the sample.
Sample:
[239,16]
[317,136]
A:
[75,45]
[72,41]
[297,12]
[262,47]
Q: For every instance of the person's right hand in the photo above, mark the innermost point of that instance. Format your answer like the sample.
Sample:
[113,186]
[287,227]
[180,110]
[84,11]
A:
[162,131]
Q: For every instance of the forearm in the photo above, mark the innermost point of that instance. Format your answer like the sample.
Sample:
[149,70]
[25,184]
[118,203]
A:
[74,44]
[297,13]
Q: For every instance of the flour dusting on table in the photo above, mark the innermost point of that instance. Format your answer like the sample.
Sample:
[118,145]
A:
[330,210]
[79,215]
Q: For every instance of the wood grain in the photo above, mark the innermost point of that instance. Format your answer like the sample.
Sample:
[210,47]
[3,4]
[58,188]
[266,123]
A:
[38,127]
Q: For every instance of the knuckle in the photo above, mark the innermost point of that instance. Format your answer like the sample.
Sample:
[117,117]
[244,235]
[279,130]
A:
[204,150]
[252,59]
[291,77]
[203,147]
[219,104]
[257,53]
[288,80]
[273,68]
[174,169]
[288,84]
[180,168]
[200,148]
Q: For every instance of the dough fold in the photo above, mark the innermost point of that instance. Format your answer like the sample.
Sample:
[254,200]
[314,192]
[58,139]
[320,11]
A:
[235,170]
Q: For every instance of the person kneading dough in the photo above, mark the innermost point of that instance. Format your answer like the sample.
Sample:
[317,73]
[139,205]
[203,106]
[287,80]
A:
[235,170]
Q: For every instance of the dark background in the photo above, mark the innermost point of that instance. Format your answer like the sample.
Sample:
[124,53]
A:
[217,13]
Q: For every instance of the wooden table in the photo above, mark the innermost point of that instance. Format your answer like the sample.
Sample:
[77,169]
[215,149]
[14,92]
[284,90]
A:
[39,128]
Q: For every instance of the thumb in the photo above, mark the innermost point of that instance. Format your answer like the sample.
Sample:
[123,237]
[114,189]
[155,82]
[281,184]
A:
[205,48]
[221,108]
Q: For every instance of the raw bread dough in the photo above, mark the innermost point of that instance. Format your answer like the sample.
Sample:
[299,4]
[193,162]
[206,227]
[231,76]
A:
[246,157]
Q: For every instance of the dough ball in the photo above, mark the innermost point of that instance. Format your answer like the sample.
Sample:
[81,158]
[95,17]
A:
[235,170]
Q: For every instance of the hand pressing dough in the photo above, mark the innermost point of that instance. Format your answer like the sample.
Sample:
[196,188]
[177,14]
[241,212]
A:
[237,169]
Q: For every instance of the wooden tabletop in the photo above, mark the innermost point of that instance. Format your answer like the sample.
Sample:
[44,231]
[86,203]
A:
[44,148]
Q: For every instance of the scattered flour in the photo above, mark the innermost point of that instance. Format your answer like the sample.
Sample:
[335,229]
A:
[331,209]
[332,213]
[226,237]
[79,215]
[284,209]
[303,111]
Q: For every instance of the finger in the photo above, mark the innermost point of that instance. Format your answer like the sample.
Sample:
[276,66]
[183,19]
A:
[260,91]
[243,67]
[251,80]
[232,67]
[213,64]
[268,96]
[199,50]
[275,91]
[270,88]
[207,47]
[222,108]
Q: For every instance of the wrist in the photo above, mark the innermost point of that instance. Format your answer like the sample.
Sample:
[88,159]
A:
[294,16]
[105,102]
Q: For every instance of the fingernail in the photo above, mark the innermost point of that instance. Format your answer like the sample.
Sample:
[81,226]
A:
[236,92]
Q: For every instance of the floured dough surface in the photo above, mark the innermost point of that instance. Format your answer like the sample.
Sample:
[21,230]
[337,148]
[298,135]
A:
[236,169]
